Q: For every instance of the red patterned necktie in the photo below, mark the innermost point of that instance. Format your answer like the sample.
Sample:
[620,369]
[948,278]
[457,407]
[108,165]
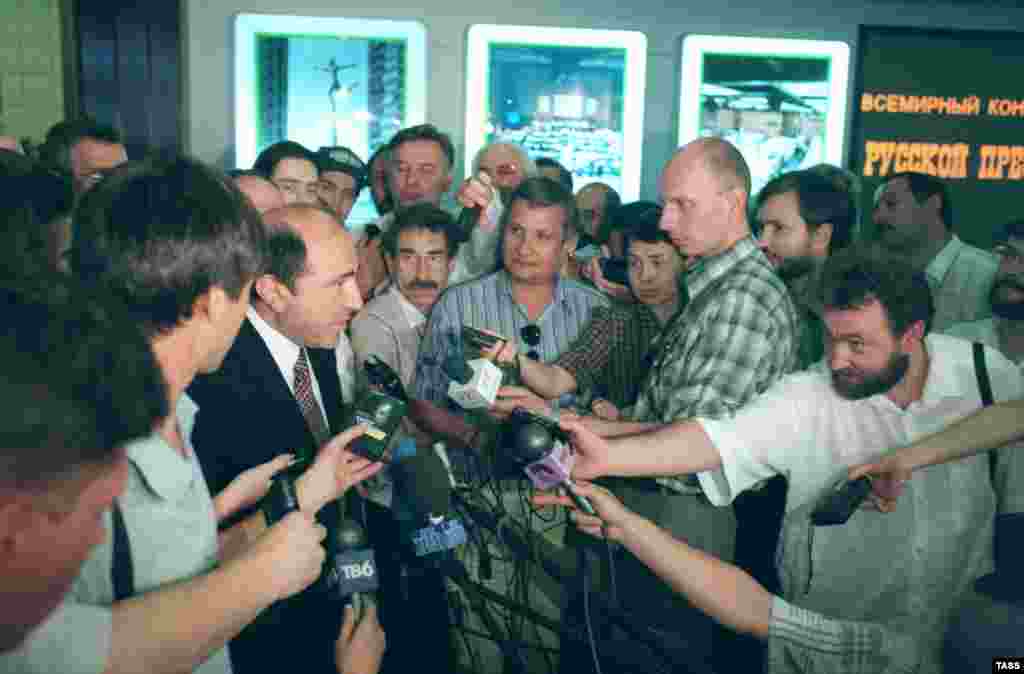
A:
[307,401]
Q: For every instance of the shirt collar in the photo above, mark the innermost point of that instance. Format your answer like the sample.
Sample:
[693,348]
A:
[413,315]
[712,268]
[284,351]
[504,284]
[165,471]
[939,266]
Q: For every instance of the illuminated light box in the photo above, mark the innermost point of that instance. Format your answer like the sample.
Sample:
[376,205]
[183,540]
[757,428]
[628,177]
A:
[574,95]
[781,102]
[324,81]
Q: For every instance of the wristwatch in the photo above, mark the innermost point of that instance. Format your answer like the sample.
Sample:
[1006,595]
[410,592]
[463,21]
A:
[281,498]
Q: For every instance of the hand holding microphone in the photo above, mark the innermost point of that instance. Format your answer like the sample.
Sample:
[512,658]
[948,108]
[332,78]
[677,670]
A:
[352,572]
[610,519]
[540,444]
[479,204]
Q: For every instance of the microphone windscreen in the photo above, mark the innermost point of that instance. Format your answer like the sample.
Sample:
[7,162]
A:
[350,535]
[422,480]
[456,367]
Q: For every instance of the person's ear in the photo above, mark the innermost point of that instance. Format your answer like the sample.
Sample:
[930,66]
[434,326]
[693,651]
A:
[273,293]
[821,238]
[914,333]
[16,516]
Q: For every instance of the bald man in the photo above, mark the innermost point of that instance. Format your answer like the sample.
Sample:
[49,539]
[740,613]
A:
[250,410]
[735,338]
[594,203]
[263,194]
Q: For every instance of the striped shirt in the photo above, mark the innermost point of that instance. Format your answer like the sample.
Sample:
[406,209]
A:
[487,303]
[804,642]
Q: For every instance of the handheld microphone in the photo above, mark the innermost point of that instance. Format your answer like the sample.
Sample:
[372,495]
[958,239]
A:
[540,444]
[468,218]
[352,576]
[422,482]
[382,412]
[474,384]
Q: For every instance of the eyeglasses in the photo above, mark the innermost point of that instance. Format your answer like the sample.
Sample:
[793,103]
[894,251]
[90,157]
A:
[531,335]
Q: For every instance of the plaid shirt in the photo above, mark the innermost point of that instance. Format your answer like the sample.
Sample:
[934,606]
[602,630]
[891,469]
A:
[738,335]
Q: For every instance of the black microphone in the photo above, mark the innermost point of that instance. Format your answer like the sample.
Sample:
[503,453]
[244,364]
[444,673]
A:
[352,576]
[422,482]
[474,384]
[541,444]
[382,411]
[468,218]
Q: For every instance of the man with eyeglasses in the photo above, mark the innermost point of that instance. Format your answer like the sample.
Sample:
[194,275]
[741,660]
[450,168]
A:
[293,169]
[83,149]
[1005,329]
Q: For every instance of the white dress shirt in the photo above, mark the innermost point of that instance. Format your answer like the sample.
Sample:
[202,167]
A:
[904,569]
[286,354]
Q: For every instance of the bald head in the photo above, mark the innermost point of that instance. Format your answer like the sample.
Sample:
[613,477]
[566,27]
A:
[310,292]
[722,160]
[593,205]
[506,164]
[263,194]
[705,188]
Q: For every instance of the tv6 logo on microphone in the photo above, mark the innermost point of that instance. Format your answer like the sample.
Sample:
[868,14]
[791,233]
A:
[353,571]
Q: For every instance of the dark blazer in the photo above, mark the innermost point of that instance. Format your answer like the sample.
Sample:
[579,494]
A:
[247,416]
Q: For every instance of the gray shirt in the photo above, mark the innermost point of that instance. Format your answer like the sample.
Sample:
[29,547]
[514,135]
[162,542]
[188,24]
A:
[172,531]
[960,277]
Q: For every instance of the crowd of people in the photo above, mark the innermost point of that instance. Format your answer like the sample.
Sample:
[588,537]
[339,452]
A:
[181,338]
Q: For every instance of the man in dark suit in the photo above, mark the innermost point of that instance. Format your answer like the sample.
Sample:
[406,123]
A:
[278,390]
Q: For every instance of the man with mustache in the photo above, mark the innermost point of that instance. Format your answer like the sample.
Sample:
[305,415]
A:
[914,220]
[1005,330]
[420,250]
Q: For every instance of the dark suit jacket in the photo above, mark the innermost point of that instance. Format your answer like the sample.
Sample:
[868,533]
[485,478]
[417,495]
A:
[247,416]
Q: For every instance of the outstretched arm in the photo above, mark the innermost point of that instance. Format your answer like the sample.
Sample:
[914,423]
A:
[721,590]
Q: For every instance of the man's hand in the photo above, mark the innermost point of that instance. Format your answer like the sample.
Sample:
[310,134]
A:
[248,488]
[478,191]
[511,397]
[372,269]
[592,451]
[888,477]
[288,557]
[335,470]
[360,648]
[612,518]
[592,270]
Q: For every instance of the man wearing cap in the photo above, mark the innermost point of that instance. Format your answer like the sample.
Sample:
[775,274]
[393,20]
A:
[342,178]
